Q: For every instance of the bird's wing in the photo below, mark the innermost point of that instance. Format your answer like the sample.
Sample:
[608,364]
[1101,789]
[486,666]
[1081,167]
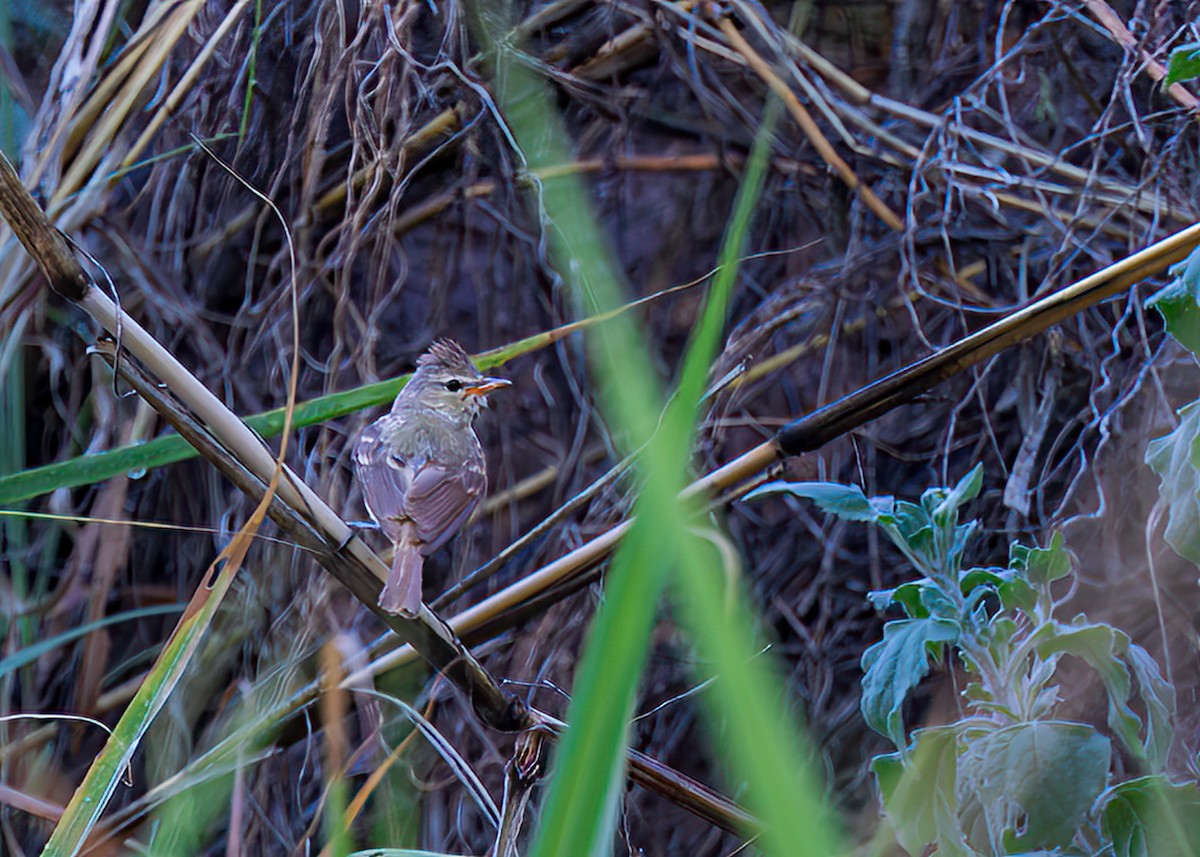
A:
[441,498]
[385,479]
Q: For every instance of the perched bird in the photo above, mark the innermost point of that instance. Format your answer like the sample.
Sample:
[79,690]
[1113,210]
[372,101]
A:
[421,466]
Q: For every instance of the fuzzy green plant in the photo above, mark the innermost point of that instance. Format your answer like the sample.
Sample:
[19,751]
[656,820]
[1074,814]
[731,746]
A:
[1011,775]
[1175,457]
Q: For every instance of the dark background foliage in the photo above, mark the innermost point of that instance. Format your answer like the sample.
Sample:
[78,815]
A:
[402,236]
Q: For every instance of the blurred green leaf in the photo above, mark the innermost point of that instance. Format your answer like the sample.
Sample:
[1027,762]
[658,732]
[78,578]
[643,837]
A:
[1179,302]
[579,814]
[1184,64]
[1151,816]
[400,852]
[104,774]
[1036,782]
[919,790]
[171,448]
[895,665]
[1176,460]
[760,741]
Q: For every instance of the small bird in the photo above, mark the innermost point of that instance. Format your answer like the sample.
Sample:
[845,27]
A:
[421,467]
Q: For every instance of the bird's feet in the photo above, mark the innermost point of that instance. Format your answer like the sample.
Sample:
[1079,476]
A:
[357,527]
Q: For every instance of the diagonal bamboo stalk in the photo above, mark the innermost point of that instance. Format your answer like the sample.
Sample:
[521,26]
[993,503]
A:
[62,270]
[818,428]
[814,430]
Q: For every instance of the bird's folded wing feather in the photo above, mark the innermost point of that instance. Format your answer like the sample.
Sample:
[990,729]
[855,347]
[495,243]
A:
[384,478]
[440,499]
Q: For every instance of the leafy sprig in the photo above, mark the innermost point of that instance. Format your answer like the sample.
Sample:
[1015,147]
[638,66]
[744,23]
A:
[1010,776]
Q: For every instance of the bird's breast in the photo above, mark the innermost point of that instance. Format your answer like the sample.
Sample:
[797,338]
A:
[430,437]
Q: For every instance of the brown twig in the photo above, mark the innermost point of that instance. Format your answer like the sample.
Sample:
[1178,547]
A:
[432,206]
[809,126]
[627,49]
[1120,34]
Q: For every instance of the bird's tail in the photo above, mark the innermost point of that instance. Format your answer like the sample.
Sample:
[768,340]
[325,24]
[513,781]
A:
[402,592]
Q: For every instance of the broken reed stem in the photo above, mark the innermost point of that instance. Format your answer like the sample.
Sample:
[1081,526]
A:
[809,126]
[428,632]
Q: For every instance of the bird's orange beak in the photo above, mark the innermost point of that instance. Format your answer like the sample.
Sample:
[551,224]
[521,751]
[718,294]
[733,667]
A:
[486,385]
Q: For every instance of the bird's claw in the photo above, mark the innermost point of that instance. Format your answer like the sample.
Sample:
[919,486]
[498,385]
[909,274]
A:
[356,527]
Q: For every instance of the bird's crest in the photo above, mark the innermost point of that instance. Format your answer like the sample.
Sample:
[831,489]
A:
[446,353]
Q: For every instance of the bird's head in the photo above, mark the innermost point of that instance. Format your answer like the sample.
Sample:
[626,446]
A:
[447,382]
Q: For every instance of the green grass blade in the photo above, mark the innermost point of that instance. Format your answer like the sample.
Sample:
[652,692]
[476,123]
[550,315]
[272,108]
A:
[578,817]
[102,778]
[169,449]
[191,801]
[11,116]
[589,773]
[580,809]
[27,655]
[683,411]
[759,740]
[761,746]
[138,458]
[251,71]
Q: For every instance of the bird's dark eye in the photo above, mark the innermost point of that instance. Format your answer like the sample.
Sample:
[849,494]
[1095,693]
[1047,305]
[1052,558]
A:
[454,385]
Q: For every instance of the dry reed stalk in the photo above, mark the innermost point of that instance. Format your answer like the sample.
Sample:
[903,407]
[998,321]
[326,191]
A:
[838,418]
[1120,34]
[103,115]
[862,96]
[809,127]
[185,84]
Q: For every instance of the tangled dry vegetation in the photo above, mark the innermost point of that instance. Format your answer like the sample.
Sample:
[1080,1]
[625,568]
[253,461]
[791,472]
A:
[935,165]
